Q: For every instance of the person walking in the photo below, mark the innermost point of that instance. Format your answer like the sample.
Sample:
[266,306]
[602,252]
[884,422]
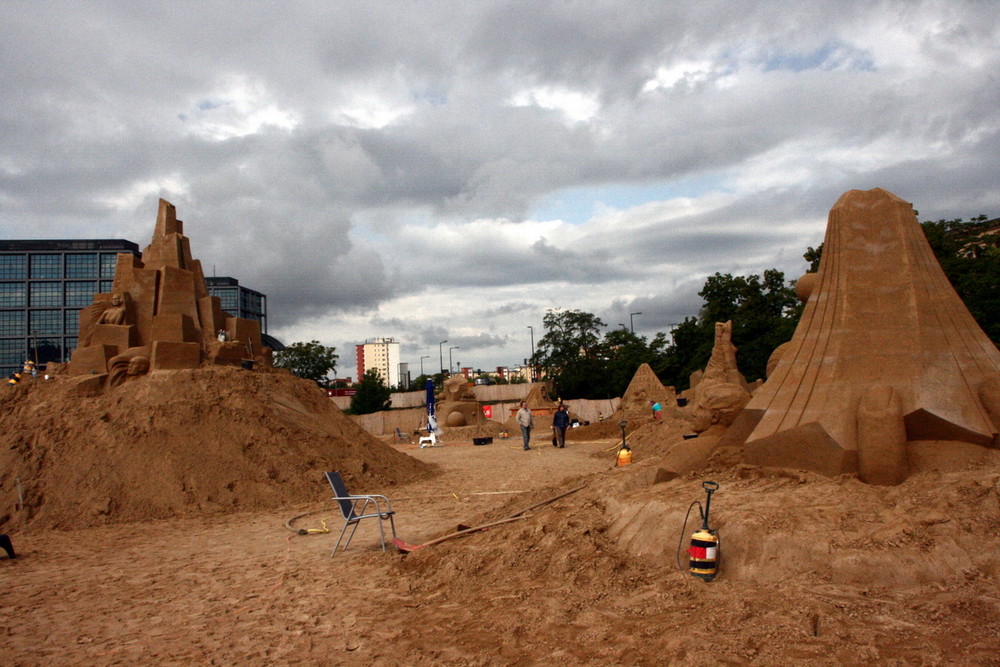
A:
[560,422]
[526,421]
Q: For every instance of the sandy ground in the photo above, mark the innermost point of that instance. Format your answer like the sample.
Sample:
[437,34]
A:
[583,580]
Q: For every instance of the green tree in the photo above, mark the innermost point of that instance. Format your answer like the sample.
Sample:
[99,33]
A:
[623,353]
[372,396]
[970,258]
[312,361]
[571,352]
[764,312]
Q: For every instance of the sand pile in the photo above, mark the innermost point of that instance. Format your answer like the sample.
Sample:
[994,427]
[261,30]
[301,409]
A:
[845,572]
[175,443]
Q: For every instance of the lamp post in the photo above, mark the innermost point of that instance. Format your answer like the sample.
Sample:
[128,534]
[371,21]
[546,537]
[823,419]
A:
[426,356]
[532,358]
[621,324]
[630,324]
[456,347]
[441,354]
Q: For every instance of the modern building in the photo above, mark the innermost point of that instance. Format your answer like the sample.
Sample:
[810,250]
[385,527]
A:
[238,300]
[43,286]
[382,354]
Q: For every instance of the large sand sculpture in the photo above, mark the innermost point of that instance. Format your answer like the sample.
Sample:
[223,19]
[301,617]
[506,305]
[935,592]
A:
[885,353]
[160,316]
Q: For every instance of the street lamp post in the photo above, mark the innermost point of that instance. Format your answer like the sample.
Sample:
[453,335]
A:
[532,358]
[441,354]
[426,356]
[630,324]
[456,347]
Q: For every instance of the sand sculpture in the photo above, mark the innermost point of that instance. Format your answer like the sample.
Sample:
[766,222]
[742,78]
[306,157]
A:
[644,388]
[160,316]
[721,392]
[885,353]
[457,405]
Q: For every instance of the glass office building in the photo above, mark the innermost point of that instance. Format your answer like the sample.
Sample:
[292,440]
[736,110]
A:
[43,286]
[239,301]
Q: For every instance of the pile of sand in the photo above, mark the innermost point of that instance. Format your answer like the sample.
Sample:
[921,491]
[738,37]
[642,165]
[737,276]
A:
[175,443]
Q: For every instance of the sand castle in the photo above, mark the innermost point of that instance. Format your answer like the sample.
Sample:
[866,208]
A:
[885,353]
[160,316]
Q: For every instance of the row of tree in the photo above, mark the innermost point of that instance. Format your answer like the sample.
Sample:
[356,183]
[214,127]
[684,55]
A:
[583,362]
[586,361]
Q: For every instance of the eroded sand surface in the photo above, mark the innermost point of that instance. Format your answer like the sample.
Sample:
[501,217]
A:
[815,571]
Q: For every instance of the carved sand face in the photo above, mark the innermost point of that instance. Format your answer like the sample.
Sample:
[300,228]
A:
[116,299]
[138,366]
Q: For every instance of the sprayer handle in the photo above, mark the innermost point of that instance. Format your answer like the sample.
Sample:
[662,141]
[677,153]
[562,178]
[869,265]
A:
[710,486]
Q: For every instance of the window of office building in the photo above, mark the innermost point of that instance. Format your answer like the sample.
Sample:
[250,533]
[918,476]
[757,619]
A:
[12,352]
[80,292]
[71,322]
[108,263]
[45,294]
[107,286]
[12,267]
[45,266]
[228,300]
[12,323]
[251,301]
[12,295]
[45,322]
[81,265]
[70,345]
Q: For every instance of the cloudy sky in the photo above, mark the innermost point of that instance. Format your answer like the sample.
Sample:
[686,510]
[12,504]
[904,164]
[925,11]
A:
[451,170]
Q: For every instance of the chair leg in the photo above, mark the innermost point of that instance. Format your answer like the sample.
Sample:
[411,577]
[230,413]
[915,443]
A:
[342,531]
[381,533]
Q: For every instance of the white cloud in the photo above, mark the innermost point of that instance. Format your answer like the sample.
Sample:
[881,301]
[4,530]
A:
[574,105]
[236,107]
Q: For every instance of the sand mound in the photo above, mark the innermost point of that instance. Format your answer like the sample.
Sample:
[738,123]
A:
[175,443]
[807,560]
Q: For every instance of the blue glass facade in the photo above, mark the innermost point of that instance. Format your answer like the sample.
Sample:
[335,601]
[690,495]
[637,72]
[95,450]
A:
[43,286]
[239,301]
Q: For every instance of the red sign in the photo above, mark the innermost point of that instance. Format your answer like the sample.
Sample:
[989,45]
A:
[488,411]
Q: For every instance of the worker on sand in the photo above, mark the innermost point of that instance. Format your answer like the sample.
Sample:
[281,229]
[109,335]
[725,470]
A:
[525,420]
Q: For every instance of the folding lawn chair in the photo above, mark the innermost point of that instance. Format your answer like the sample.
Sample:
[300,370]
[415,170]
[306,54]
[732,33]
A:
[402,437]
[356,508]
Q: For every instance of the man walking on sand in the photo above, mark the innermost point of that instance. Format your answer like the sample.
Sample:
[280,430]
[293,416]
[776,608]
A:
[526,421]
[560,422]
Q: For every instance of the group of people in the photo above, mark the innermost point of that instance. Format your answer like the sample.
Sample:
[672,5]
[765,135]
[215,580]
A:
[560,422]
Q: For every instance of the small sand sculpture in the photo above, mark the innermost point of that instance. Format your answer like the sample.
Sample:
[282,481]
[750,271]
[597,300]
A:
[645,388]
[721,392]
[885,353]
[457,405]
[160,311]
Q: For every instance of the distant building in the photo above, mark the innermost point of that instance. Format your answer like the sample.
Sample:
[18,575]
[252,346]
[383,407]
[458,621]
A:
[43,286]
[242,302]
[382,354]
